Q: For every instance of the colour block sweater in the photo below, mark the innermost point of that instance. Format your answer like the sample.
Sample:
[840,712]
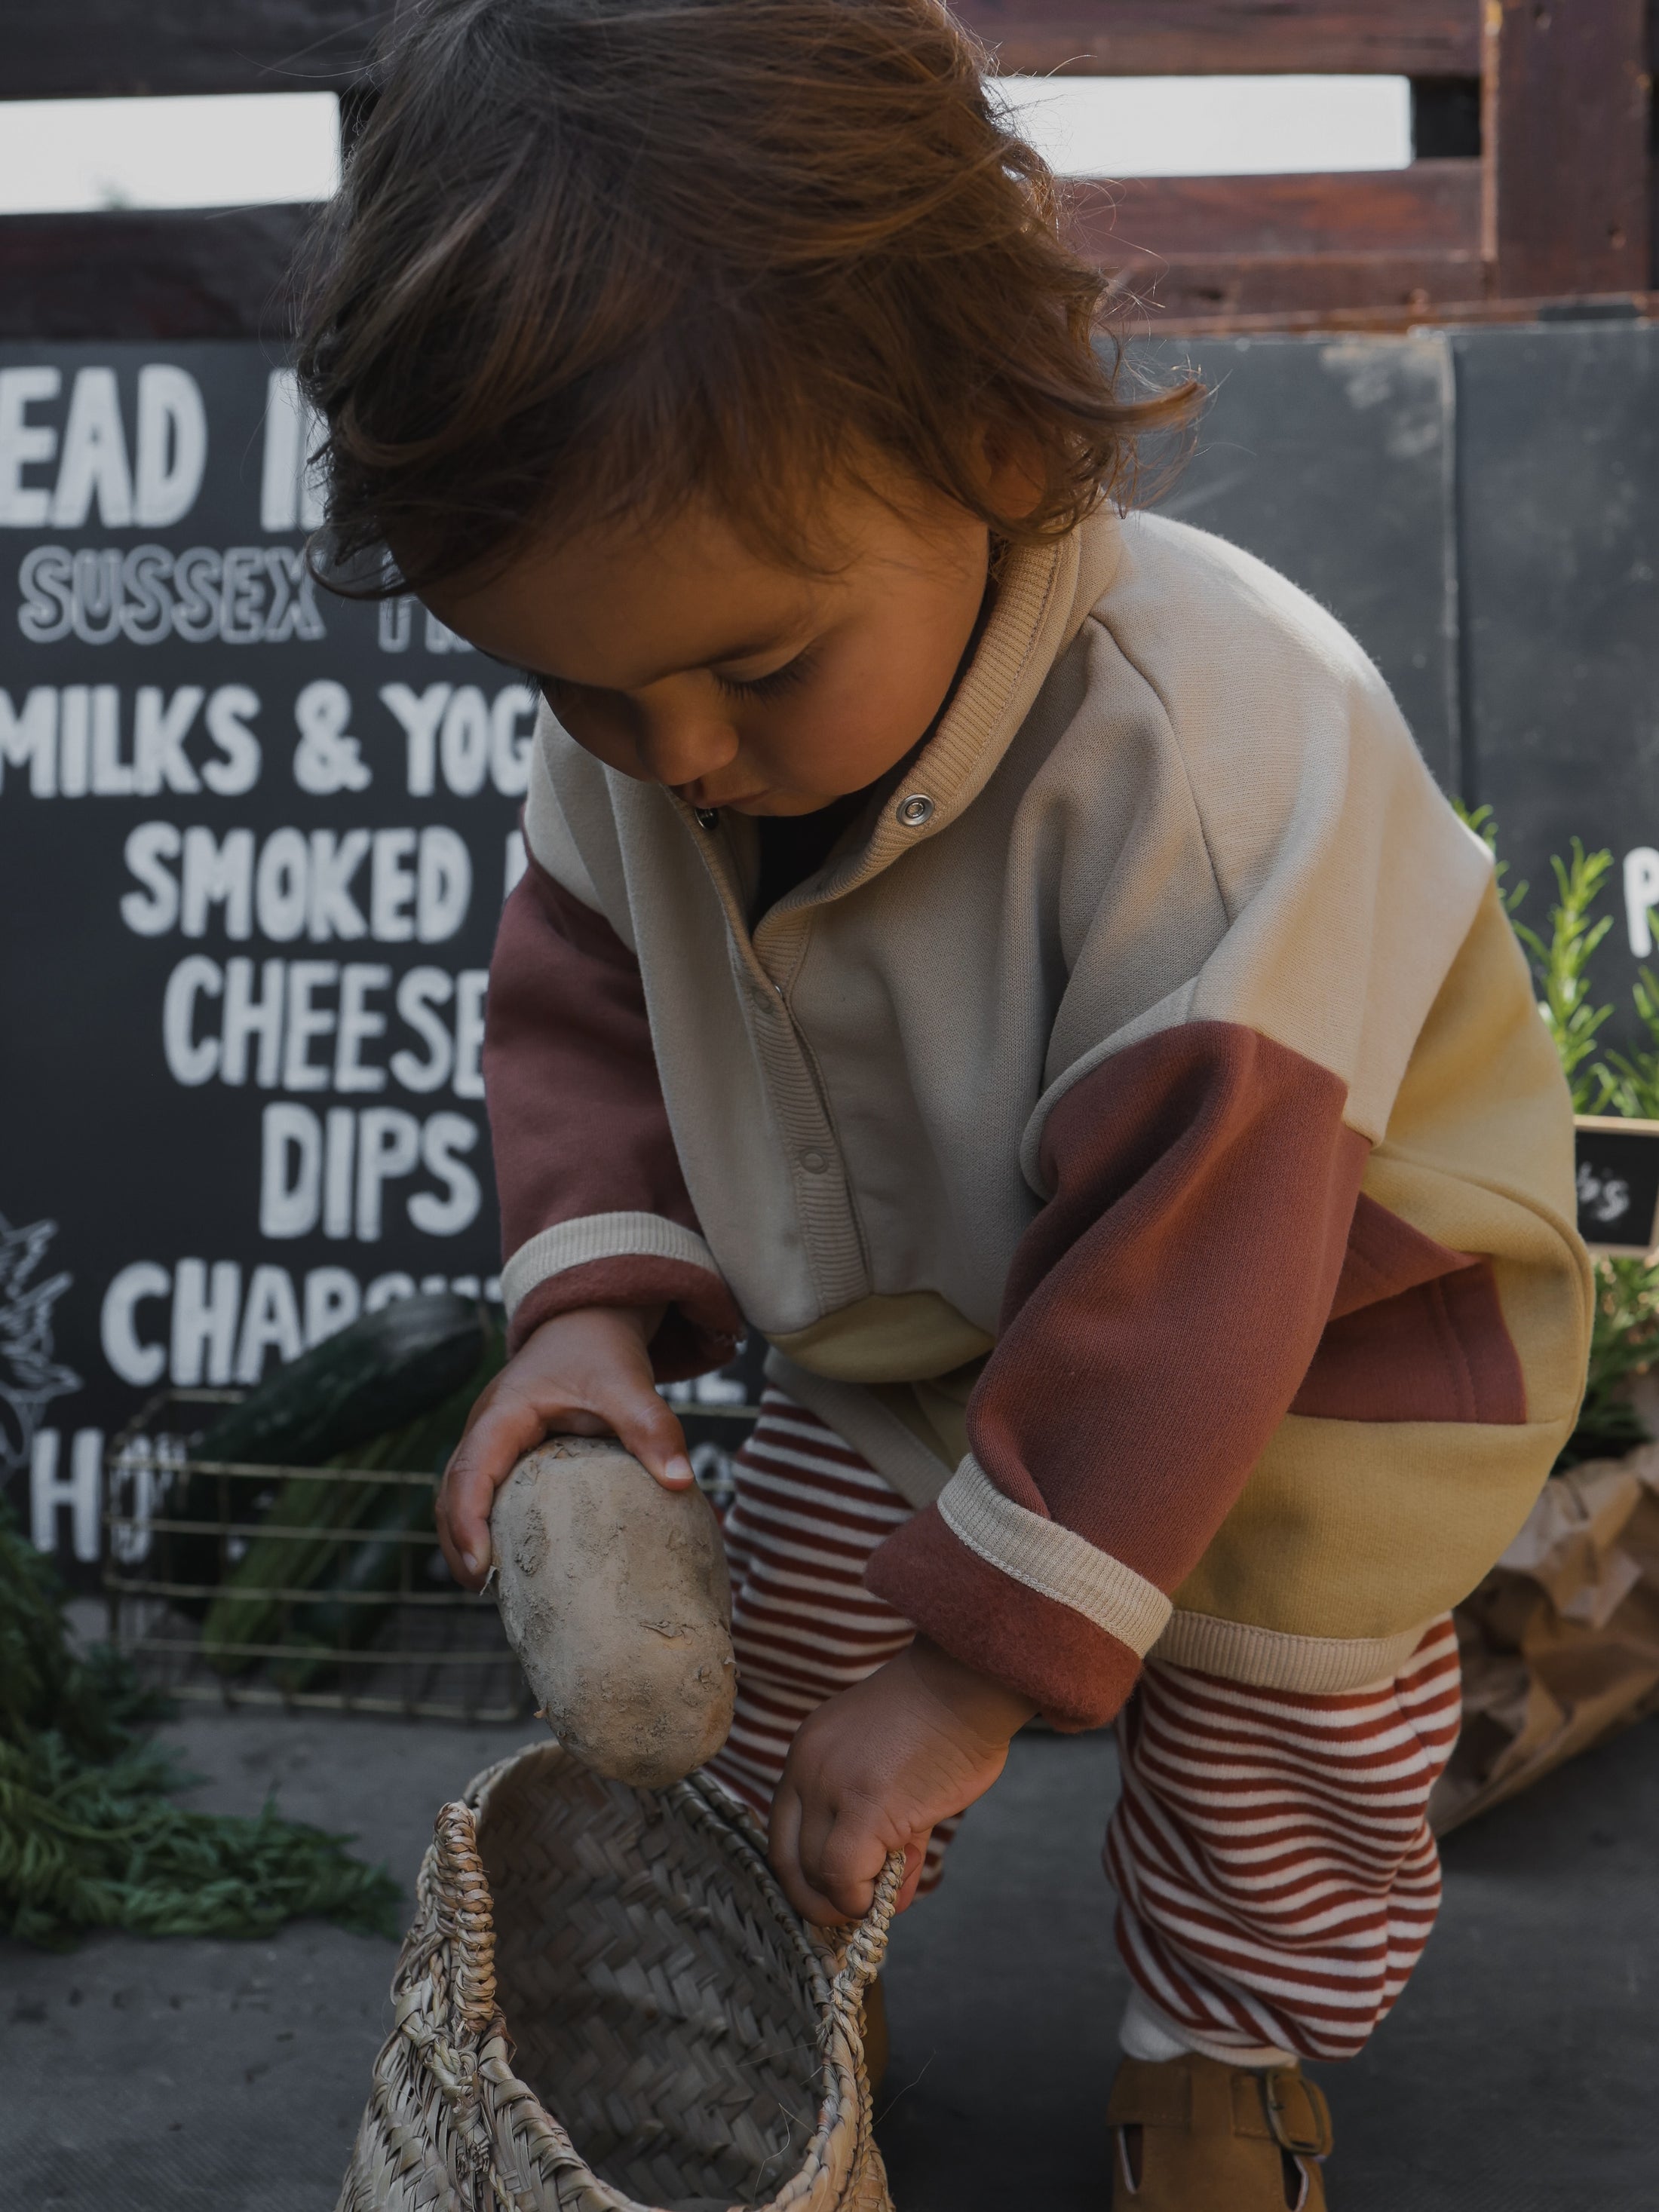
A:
[1139,1138]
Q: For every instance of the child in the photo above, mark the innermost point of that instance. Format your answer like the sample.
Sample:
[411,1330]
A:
[1009,955]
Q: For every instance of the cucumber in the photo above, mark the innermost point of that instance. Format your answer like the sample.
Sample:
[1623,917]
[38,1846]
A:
[386,1370]
[318,1561]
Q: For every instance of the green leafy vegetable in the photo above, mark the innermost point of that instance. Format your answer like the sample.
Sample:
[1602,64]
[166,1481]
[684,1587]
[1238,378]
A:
[89,1835]
[1624,1345]
[1561,964]
[1624,1331]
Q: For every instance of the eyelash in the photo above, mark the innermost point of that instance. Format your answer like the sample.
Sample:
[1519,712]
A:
[768,687]
[762,687]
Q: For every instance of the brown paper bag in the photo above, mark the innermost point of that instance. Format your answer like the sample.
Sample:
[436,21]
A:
[1560,1644]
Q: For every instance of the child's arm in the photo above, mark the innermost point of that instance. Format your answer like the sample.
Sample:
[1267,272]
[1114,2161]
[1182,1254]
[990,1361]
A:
[876,1768]
[1158,1319]
[609,1285]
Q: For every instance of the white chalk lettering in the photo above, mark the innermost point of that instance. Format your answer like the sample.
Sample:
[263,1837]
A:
[331,1172]
[291,488]
[71,741]
[294,885]
[153,483]
[240,1022]
[1641,897]
[24,444]
[473,739]
[216,1324]
[243,595]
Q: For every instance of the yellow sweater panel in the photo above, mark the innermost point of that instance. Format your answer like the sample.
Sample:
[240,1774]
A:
[1365,1529]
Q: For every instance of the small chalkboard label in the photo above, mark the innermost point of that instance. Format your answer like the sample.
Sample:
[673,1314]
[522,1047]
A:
[1618,1174]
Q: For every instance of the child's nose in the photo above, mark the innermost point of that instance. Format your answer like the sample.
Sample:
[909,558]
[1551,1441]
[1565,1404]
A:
[681,748]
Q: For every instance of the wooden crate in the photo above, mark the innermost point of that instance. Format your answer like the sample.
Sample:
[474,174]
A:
[1549,197]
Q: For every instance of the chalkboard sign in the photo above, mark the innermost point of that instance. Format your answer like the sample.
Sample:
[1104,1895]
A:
[1618,1175]
[253,841]
[254,846]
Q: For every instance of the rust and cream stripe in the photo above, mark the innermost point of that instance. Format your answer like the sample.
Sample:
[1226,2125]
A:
[808,1512]
[1276,1875]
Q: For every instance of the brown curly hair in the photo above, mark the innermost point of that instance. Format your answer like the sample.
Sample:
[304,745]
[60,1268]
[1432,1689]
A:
[592,258]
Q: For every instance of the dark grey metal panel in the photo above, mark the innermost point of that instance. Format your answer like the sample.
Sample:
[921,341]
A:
[1332,459]
[1559,475]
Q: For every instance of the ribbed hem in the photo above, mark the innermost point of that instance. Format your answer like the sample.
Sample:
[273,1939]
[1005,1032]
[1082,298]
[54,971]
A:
[1054,1561]
[1269,1659]
[1076,1673]
[601,1236]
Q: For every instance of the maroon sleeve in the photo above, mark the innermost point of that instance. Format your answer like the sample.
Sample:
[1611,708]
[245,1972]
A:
[578,1124]
[1206,1265]
[1160,1313]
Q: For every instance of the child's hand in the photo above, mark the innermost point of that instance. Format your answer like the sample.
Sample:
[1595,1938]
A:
[876,1766]
[584,1374]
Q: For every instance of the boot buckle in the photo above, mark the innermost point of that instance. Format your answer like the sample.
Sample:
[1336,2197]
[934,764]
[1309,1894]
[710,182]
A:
[1297,2112]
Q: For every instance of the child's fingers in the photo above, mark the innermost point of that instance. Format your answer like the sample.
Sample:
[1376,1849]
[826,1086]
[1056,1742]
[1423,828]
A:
[509,1425]
[842,1853]
[502,1431]
[462,1514]
[648,1427]
[785,1854]
[915,1858]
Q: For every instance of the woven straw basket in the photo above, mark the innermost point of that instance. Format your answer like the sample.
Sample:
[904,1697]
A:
[607,2004]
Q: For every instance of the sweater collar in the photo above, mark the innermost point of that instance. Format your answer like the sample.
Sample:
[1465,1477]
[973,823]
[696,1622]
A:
[1043,597]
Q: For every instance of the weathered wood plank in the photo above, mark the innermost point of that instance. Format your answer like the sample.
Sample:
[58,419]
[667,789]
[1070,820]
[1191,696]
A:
[55,50]
[74,48]
[1615,308]
[1178,289]
[170,274]
[1568,123]
[1209,247]
[1200,246]
[1433,207]
[1181,38]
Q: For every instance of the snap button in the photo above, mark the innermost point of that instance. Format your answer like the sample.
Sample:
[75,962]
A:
[708,816]
[915,810]
[814,1162]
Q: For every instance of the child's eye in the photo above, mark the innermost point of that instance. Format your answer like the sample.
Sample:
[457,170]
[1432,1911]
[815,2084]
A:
[770,686]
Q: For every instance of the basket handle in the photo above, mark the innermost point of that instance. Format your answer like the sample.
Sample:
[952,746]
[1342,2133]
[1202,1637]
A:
[867,1944]
[461,1896]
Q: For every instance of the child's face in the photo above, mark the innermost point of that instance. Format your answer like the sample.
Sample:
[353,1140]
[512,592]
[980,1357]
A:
[681,656]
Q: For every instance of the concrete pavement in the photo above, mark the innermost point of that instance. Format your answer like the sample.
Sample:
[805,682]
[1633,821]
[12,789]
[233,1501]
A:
[1518,2074]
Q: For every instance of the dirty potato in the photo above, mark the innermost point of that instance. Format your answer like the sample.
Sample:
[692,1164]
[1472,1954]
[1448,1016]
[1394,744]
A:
[614,1594]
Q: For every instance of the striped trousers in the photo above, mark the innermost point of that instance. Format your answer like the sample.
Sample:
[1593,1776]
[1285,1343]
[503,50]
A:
[1275,1874]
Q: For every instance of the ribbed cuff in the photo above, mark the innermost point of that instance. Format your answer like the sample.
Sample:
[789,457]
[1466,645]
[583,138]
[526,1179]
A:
[700,1329]
[600,1237]
[1075,1673]
[1054,1561]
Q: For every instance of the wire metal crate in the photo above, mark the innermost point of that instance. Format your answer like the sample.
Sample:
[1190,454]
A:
[372,1623]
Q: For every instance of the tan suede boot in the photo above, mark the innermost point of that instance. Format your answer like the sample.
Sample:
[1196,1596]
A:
[1191,2135]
